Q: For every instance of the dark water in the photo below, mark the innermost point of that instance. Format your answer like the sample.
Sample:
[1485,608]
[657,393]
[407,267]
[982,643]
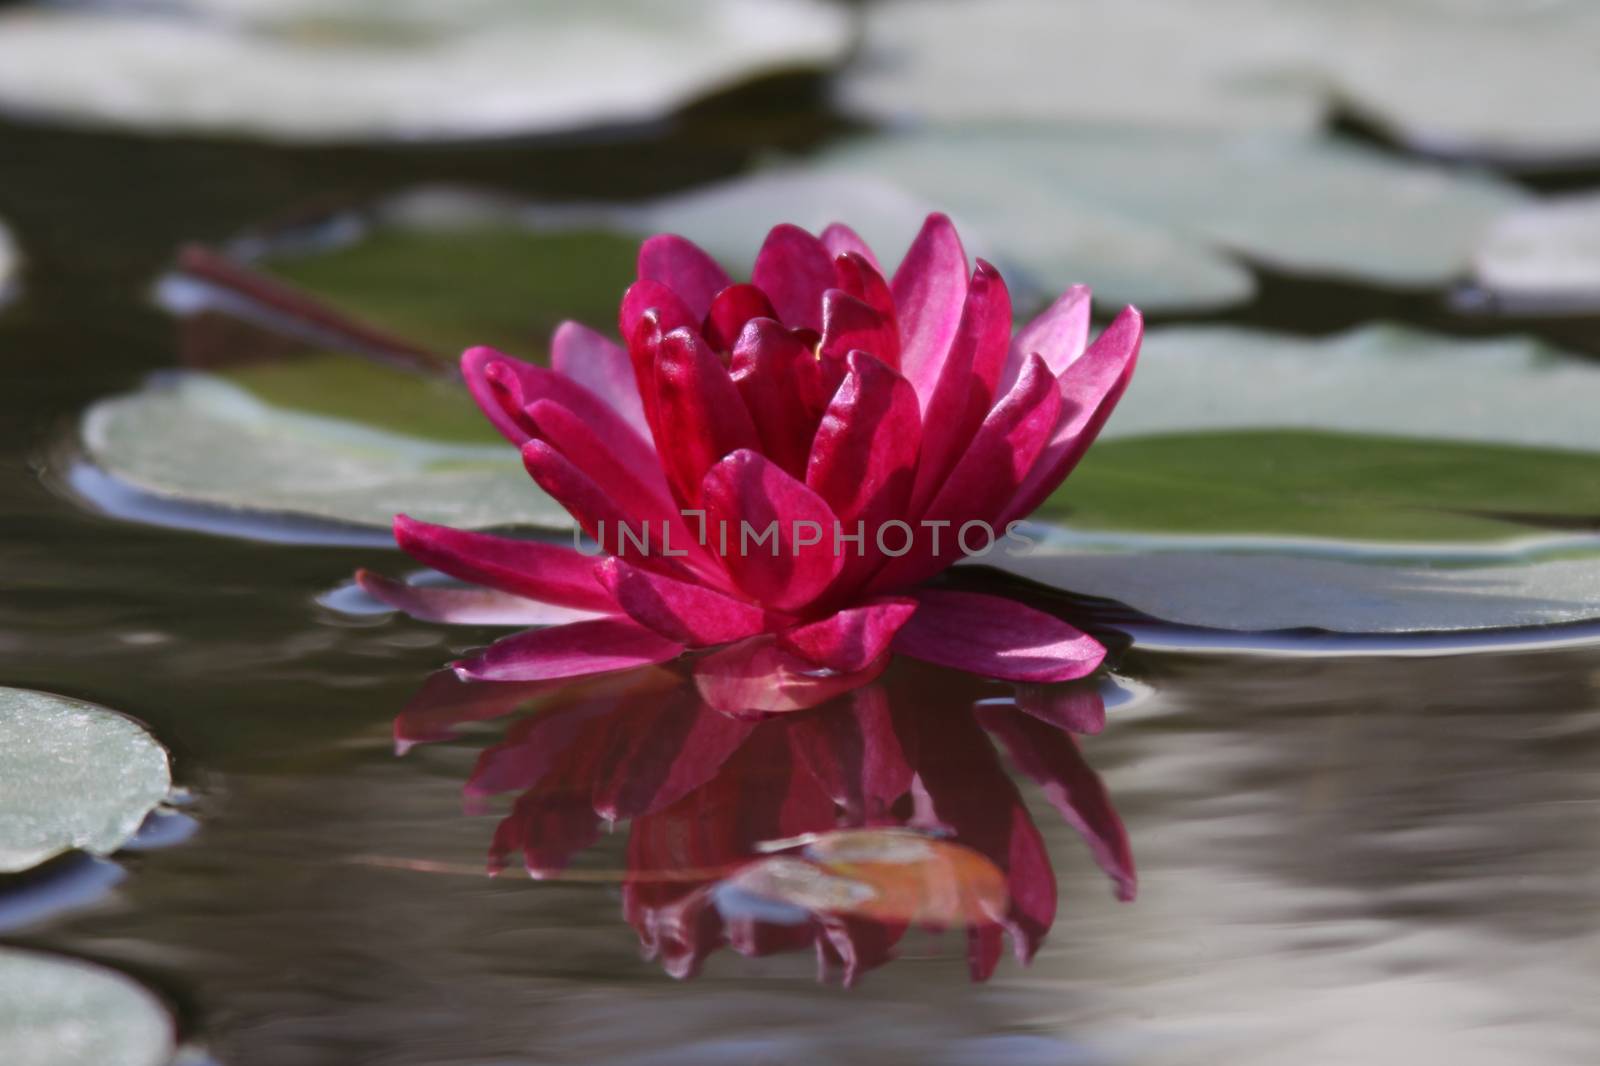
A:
[1356,859]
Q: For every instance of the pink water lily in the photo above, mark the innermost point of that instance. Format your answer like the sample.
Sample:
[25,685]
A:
[865,422]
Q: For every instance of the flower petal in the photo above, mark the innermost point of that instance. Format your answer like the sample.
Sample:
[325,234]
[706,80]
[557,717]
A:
[466,606]
[577,440]
[994,637]
[602,367]
[851,639]
[733,307]
[1057,335]
[502,408]
[966,384]
[687,613]
[592,647]
[1090,389]
[685,268]
[699,403]
[549,573]
[984,480]
[512,386]
[929,290]
[862,278]
[793,269]
[849,324]
[757,676]
[840,239]
[1073,708]
[620,532]
[768,368]
[865,452]
[1051,759]
[779,548]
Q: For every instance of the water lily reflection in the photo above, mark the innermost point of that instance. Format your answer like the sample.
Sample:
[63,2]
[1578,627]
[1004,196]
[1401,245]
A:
[834,830]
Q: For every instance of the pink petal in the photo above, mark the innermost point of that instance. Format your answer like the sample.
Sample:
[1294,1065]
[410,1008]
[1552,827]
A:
[929,290]
[994,637]
[857,757]
[575,650]
[756,676]
[602,367]
[1051,759]
[503,409]
[466,606]
[685,268]
[514,386]
[749,497]
[851,639]
[1090,389]
[793,268]
[646,490]
[840,239]
[733,307]
[864,456]
[689,614]
[548,573]
[966,384]
[767,369]
[862,279]
[984,480]
[848,324]
[702,407]
[1057,335]
[643,297]
[618,531]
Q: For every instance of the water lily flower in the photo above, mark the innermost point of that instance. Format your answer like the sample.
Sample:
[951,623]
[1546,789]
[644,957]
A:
[784,461]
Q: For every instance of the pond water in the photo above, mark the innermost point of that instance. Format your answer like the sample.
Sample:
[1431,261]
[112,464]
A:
[1363,856]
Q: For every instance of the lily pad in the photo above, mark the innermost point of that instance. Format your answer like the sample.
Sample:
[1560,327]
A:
[1505,80]
[72,776]
[1544,258]
[57,1011]
[1381,481]
[198,438]
[360,70]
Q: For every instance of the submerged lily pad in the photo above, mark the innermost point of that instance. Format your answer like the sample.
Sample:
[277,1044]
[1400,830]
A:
[1385,480]
[58,1011]
[1512,80]
[360,70]
[1545,257]
[72,776]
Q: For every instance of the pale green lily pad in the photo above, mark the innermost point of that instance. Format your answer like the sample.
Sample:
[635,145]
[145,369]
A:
[57,1011]
[1508,80]
[356,70]
[72,776]
[1167,220]
[1299,204]
[1384,480]
[199,438]
[1544,257]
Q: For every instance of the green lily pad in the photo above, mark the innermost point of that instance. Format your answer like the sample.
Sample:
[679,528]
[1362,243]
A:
[72,776]
[1385,480]
[58,1011]
[357,70]
[1544,258]
[1510,80]
[199,438]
